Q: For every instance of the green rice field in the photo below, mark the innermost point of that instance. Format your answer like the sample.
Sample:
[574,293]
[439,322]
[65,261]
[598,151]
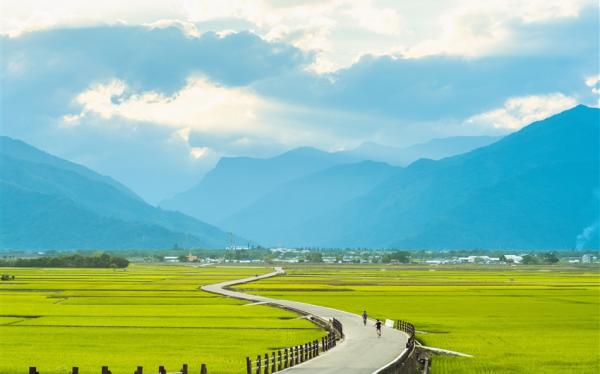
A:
[518,319]
[145,315]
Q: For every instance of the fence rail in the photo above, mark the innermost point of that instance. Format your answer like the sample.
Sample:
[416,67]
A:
[292,356]
[139,370]
[406,362]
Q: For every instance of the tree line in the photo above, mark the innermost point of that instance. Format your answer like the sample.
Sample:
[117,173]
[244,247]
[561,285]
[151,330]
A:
[101,260]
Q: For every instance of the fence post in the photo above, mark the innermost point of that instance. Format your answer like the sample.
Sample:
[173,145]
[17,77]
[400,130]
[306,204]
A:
[105,370]
[203,369]
[248,365]
[75,370]
[308,351]
[273,369]
[279,360]
[258,362]
[162,370]
[184,369]
[296,358]
[139,370]
[32,370]
[266,363]
[285,358]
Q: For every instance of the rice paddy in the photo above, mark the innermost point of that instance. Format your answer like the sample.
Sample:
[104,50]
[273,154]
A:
[512,319]
[147,315]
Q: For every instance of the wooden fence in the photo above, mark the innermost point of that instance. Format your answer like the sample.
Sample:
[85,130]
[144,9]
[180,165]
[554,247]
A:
[139,370]
[406,363]
[289,357]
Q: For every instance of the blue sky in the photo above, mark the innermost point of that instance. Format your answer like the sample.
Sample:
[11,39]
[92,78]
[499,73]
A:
[153,93]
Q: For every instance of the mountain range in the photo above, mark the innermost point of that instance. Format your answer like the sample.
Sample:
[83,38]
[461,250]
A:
[50,203]
[433,149]
[535,189]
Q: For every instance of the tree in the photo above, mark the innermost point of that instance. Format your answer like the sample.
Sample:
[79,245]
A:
[400,256]
[314,257]
[530,260]
[550,258]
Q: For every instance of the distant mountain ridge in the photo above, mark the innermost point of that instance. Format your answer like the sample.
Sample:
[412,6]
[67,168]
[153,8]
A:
[50,203]
[237,182]
[272,219]
[434,149]
[535,189]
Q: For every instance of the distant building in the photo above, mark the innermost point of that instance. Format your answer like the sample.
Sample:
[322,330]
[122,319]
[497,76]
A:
[588,259]
[237,247]
[284,250]
[191,258]
[480,259]
[513,258]
[171,259]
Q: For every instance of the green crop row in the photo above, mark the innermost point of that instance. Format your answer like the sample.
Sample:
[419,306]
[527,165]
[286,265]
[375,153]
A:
[147,315]
[512,319]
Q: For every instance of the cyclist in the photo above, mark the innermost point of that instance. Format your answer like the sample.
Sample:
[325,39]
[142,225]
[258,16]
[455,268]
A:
[364,316]
[378,327]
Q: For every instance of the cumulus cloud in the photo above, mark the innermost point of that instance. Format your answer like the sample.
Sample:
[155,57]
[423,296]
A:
[593,82]
[188,28]
[338,32]
[520,111]
[202,107]
[476,28]
[199,105]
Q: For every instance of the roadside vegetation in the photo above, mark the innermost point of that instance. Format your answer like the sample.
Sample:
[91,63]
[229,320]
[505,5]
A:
[99,260]
[56,318]
[513,319]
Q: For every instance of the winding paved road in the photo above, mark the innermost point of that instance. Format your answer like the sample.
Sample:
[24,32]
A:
[361,351]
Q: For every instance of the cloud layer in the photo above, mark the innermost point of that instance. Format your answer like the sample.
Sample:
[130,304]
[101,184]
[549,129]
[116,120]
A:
[164,91]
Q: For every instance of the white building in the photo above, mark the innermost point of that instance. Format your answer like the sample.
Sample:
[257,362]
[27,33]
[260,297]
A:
[588,259]
[513,258]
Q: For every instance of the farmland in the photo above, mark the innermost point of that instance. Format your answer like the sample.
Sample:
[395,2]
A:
[144,315]
[512,319]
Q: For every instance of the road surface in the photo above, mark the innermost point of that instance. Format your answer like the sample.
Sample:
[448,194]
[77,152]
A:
[361,351]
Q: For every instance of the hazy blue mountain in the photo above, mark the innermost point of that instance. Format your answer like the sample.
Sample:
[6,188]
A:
[434,149]
[23,151]
[52,203]
[535,189]
[236,182]
[274,218]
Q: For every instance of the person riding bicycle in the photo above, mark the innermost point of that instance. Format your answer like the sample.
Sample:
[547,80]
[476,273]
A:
[364,316]
[378,327]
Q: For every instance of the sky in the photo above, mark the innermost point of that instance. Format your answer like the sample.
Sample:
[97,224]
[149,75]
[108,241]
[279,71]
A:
[153,93]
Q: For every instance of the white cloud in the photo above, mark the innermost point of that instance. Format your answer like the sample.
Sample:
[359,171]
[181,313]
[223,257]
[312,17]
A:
[593,82]
[188,28]
[520,111]
[370,17]
[200,105]
[204,108]
[199,152]
[338,31]
[476,28]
